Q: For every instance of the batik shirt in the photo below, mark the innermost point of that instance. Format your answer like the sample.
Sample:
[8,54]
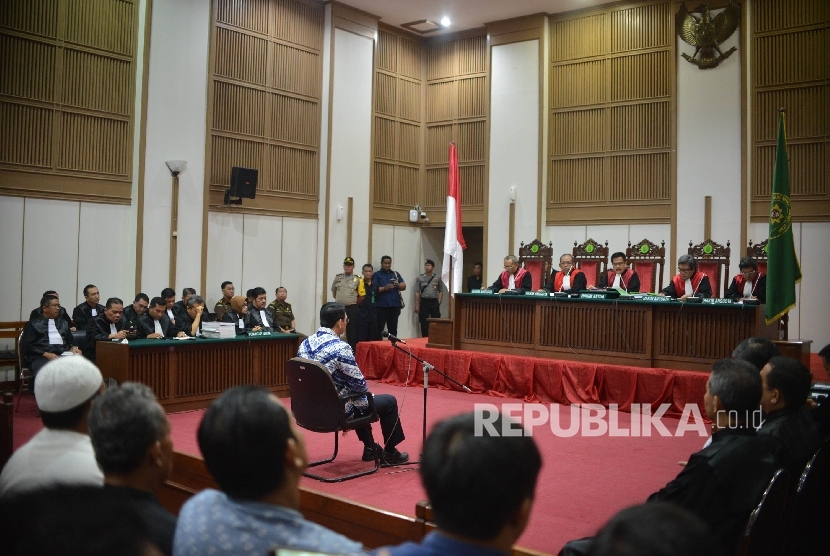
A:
[326,347]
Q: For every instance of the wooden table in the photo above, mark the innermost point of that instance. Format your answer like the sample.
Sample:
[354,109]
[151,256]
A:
[189,374]
[658,333]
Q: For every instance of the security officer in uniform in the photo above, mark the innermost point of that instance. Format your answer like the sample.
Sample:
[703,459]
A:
[344,290]
[224,305]
[429,291]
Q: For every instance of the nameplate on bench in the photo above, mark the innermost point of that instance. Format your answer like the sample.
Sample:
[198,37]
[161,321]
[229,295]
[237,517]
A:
[718,301]
[656,298]
[483,291]
[537,294]
[599,294]
[260,333]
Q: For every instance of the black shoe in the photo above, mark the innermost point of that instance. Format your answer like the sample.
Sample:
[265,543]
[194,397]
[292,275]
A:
[393,458]
[372,453]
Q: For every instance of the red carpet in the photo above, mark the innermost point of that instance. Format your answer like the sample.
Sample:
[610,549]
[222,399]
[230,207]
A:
[584,481]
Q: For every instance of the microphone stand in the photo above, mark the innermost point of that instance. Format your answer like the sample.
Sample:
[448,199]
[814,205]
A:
[427,367]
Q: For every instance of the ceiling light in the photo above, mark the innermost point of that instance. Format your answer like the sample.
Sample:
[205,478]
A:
[445,22]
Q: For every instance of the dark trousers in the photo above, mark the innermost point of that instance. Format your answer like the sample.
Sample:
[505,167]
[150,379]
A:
[367,327]
[387,407]
[353,314]
[388,317]
[429,309]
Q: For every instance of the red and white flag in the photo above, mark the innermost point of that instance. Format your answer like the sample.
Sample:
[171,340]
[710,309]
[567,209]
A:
[454,244]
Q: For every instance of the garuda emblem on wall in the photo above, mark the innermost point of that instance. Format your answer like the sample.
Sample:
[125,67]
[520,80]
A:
[706,33]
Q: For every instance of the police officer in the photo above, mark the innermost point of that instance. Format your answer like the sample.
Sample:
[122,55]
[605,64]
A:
[344,290]
[429,291]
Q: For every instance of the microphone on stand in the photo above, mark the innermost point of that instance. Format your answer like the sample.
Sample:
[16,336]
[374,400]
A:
[393,338]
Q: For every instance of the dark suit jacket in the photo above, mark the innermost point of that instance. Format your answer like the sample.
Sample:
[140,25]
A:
[579,283]
[795,437]
[255,316]
[38,312]
[760,290]
[83,314]
[36,338]
[248,321]
[145,326]
[97,330]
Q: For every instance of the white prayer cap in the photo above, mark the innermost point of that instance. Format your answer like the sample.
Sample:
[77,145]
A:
[66,382]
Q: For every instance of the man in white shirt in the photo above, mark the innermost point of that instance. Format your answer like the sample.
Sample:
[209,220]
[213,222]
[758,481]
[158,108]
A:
[61,453]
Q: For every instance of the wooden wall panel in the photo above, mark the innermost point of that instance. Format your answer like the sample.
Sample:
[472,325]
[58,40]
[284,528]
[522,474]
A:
[436,187]
[472,140]
[266,86]
[438,139]
[387,51]
[409,143]
[385,94]
[472,55]
[410,59]
[409,100]
[441,101]
[612,112]
[67,78]
[442,60]
[472,185]
[385,138]
[384,178]
[790,59]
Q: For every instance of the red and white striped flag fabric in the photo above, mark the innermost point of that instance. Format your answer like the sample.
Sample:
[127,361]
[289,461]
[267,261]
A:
[454,244]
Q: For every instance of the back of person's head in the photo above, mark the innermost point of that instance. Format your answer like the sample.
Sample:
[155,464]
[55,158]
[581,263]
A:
[330,313]
[243,438]
[737,384]
[655,529]
[824,353]
[477,482]
[72,521]
[123,423]
[188,291]
[756,350]
[790,378]
[64,391]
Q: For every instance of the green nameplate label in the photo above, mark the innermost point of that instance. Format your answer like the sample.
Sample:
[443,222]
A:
[657,298]
[592,295]
[483,291]
[259,333]
[718,301]
[537,294]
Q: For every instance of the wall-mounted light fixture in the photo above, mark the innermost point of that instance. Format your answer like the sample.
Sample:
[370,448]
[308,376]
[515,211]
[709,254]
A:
[513,194]
[339,213]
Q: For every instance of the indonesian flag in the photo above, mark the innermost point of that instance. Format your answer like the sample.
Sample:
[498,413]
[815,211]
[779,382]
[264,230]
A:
[453,239]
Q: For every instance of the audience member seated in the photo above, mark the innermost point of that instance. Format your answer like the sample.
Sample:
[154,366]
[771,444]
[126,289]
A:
[130,434]
[61,453]
[756,350]
[688,282]
[180,307]
[89,309]
[239,316]
[169,297]
[474,281]
[224,305]
[190,322]
[110,325]
[133,311]
[72,521]
[36,312]
[155,324]
[258,311]
[513,278]
[46,337]
[821,413]
[655,529]
[722,483]
[481,487]
[568,279]
[282,312]
[326,347]
[787,419]
[620,276]
[256,453]
[749,283]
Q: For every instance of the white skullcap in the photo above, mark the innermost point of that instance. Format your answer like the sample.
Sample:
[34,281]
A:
[66,382]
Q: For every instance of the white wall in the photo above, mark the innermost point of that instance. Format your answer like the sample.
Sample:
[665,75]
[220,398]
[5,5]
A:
[617,236]
[267,251]
[709,149]
[351,146]
[514,148]
[176,119]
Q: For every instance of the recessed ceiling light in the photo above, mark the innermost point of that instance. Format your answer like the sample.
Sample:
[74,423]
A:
[445,22]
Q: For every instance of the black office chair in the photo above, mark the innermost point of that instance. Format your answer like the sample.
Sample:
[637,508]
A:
[318,407]
[810,509]
[766,526]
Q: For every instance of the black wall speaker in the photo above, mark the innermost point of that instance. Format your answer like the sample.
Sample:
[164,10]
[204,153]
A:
[243,182]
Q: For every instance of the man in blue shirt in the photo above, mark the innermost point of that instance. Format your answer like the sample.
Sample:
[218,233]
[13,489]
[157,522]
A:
[480,484]
[256,453]
[389,302]
[326,347]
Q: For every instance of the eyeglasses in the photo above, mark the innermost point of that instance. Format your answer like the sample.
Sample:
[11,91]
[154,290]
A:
[747,272]
[683,269]
[140,306]
[509,266]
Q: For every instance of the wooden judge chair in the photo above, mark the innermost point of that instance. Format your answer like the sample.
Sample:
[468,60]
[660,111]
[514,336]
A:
[766,527]
[536,258]
[648,260]
[318,407]
[592,259]
[713,260]
[759,253]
